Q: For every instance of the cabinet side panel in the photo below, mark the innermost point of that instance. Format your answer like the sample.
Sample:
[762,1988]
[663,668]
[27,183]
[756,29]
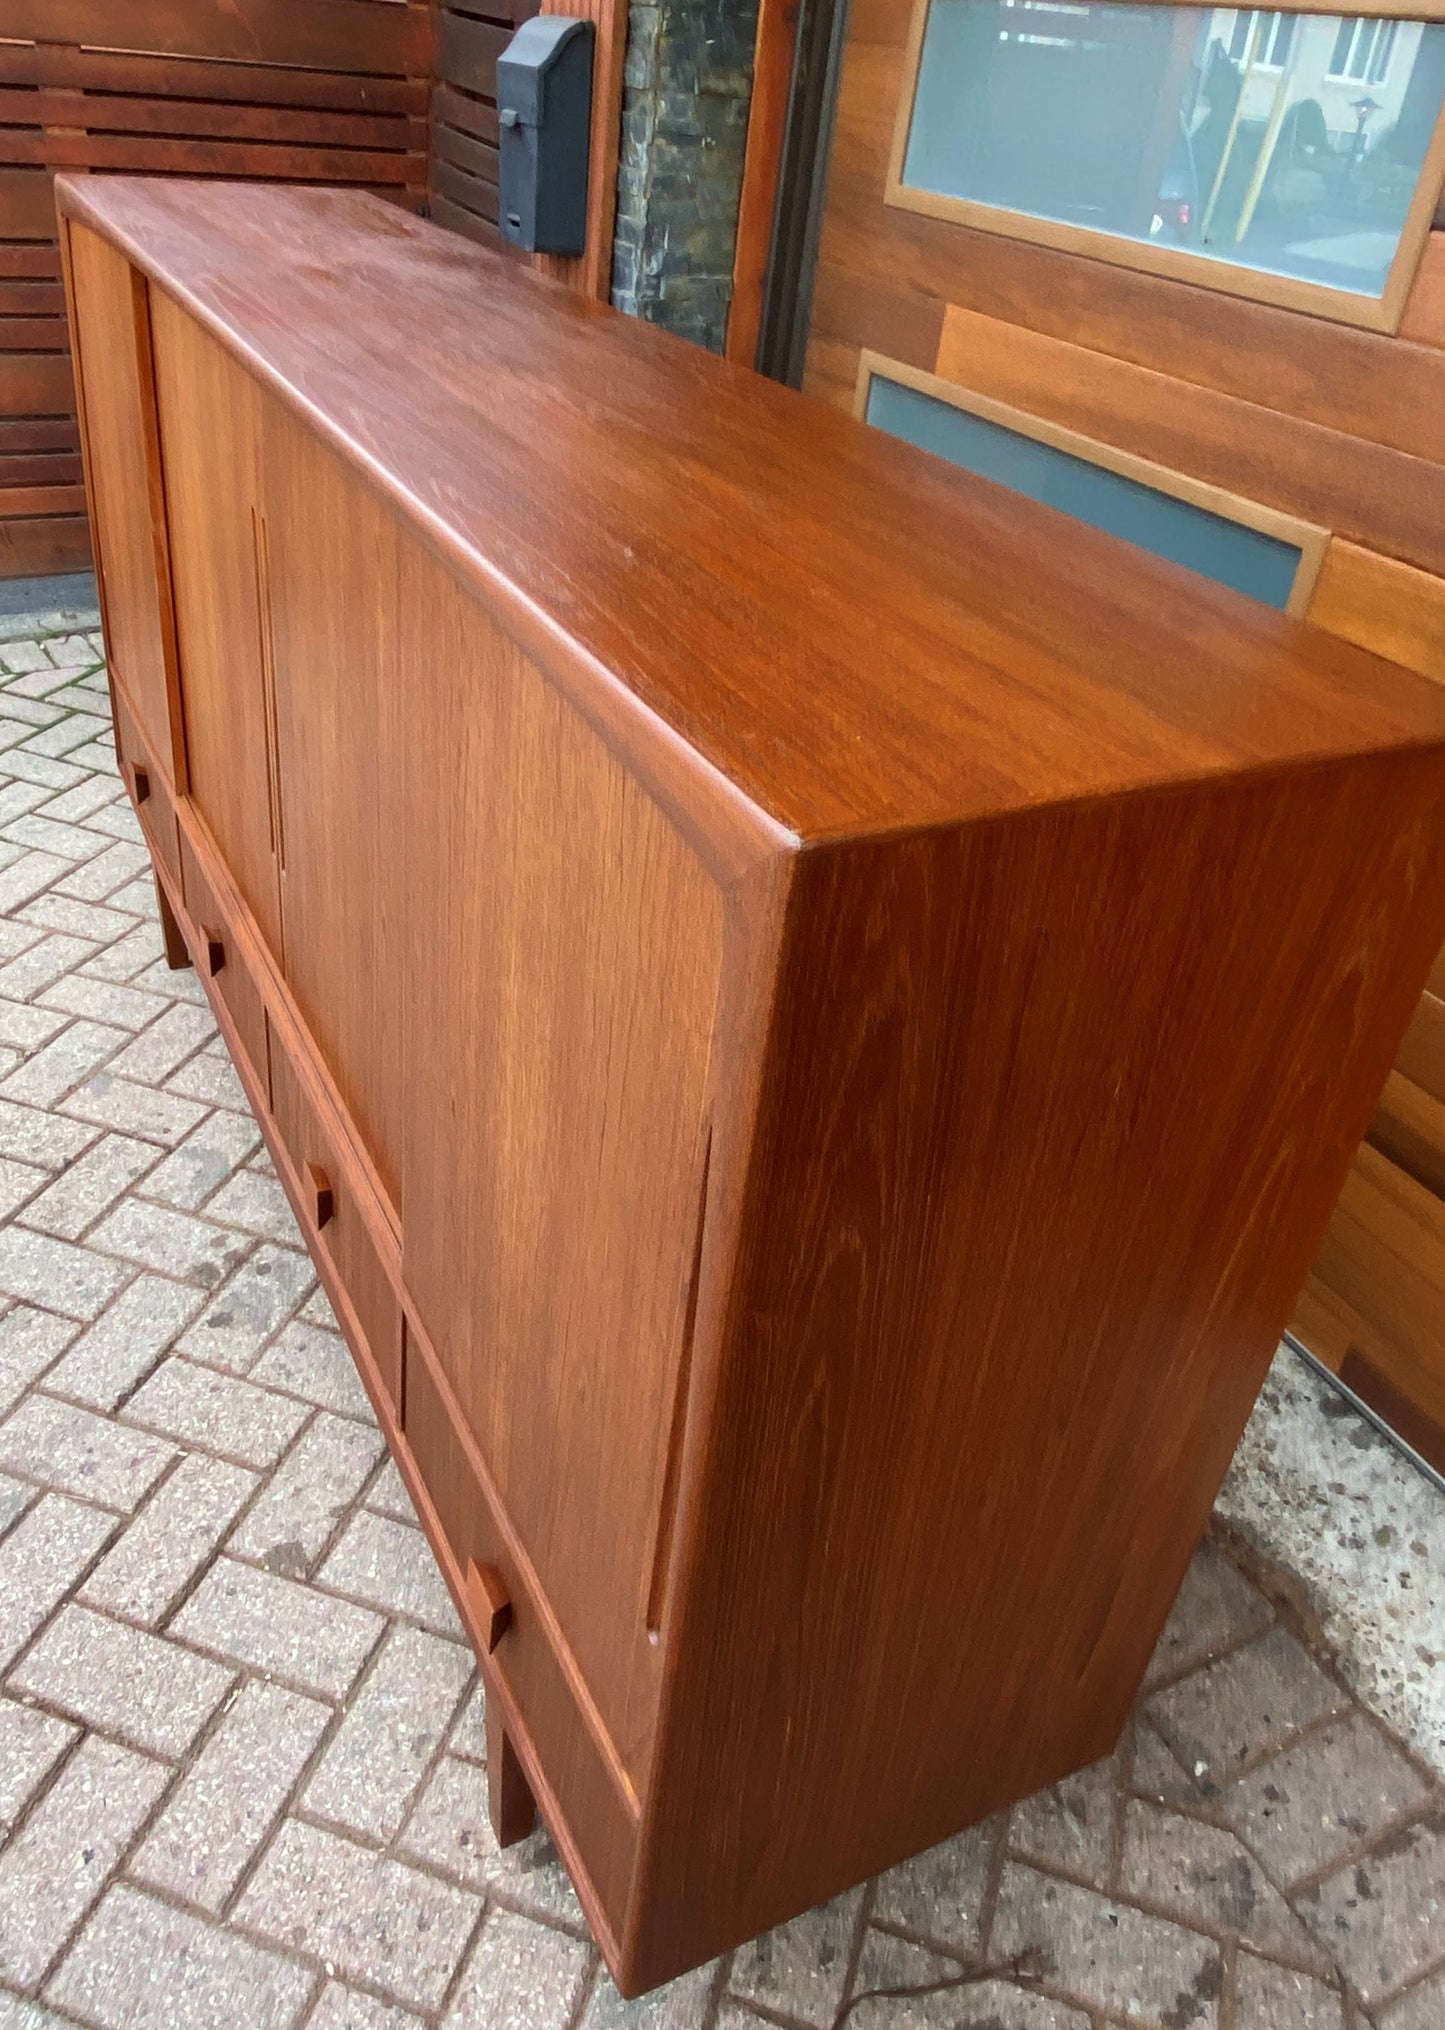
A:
[565,946]
[109,302]
[1053,1115]
[342,712]
[209,424]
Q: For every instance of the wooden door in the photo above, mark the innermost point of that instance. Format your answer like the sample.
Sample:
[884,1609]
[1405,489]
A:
[1137,305]
[338,768]
[111,301]
[222,628]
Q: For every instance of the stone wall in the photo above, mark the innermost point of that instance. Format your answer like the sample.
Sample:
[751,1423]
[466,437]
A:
[688,85]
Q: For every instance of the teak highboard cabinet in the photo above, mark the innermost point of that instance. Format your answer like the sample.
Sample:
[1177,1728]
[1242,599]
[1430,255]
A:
[811,1011]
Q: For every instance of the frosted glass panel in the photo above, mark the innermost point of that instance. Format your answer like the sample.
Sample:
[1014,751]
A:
[1287,143]
[1262,566]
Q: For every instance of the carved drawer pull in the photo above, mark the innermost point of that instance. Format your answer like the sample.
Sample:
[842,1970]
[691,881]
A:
[492,1601]
[318,1186]
[141,779]
[215,949]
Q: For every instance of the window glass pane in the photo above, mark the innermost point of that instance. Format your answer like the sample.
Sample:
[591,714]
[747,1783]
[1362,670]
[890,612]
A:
[1262,566]
[1152,123]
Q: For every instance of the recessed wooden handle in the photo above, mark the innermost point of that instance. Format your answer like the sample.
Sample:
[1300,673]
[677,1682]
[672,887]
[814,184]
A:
[318,1184]
[492,1601]
[215,949]
[141,779]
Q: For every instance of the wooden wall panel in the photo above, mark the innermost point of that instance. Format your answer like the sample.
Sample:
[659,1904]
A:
[462,142]
[1424,319]
[327,91]
[591,270]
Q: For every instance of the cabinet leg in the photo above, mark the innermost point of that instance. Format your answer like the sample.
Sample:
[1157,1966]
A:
[509,1797]
[176,954]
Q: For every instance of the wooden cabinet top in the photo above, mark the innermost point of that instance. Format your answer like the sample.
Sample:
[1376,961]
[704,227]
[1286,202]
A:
[827,631]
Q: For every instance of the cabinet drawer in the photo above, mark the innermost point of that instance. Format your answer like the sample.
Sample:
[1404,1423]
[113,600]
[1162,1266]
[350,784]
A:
[147,787]
[219,961]
[337,1226]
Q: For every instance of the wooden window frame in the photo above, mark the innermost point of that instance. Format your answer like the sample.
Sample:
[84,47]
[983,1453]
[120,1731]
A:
[1341,306]
[1310,538]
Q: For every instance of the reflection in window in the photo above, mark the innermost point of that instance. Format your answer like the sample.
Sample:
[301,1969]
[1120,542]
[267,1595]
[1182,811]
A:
[1291,144]
[1260,565]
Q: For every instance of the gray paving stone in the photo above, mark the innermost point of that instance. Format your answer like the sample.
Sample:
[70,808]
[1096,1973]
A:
[372,1769]
[247,1309]
[145,1572]
[75,1281]
[1384,1917]
[317,1311]
[227,1801]
[257,1203]
[387,1495]
[51,835]
[44,961]
[212,1081]
[168,1042]
[373,1919]
[31,1743]
[1107,1955]
[220,1412]
[1157,1772]
[15,1498]
[801,1968]
[75,805]
[30,1341]
[173,1243]
[683,2004]
[56,1865]
[308,1362]
[125,1342]
[520,1977]
[1205,1877]
[52,775]
[1302,1809]
[18,1183]
[469,1735]
[76,919]
[25,1026]
[90,1186]
[27,876]
[20,657]
[29,1136]
[1070,1825]
[450,1829]
[188,1176]
[112,868]
[71,1449]
[40,1561]
[68,737]
[123,1681]
[140,1965]
[294,1520]
[121,962]
[16,2014]
[1236,1711]
[110,1102]
[391,1566]
[104,1000]
[889,1962]
[118,819]
[317,1643]
[62,1063]
[344,2009]
[1268,1997]
[940,1892]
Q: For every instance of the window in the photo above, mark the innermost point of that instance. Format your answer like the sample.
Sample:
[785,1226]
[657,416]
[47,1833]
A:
[1247,147]
[1275,33]
[1363,50]
[1269,557]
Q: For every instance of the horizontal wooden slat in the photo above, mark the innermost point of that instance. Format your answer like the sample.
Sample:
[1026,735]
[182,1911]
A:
[462,151]
[38,433]
[111,113]
[52,543]
[157,155]
[31,299]
[1422,1054]
[1369,493]
[1409,1128]
[467,191]
[33,334]
[467,53]
[33,260]
[1383,605]
[458,219]
[40,468]
[469,115]
[337,35]
[42,500]
[100,70]
[27,205]
[36,384]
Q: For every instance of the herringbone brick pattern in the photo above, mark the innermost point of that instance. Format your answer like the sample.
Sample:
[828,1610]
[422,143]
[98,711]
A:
[240,1736]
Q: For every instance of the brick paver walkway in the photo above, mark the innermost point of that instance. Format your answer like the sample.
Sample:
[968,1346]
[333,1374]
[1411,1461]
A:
[239,1733]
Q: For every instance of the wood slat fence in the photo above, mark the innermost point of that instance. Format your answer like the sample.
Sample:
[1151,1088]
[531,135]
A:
[329,91]
[462,180]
